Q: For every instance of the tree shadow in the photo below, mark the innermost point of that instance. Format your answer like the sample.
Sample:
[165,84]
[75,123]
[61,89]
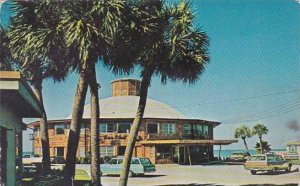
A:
[138,176]
[277,172]
[213,184]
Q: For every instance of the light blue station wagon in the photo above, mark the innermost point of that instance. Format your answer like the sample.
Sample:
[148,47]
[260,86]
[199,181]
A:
[138,166]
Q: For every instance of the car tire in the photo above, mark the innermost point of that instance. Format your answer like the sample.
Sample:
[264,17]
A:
[288,169]
[130,174]
[274,170]
[253,172]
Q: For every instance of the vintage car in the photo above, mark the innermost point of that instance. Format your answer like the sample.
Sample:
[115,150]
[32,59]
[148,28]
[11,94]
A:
[267,162]
[238,156]
[138,166]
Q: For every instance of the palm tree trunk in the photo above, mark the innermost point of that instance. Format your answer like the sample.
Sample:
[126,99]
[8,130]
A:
[261,145]
[246,146]
[95,112]
[74,133]
[134,130]
[43,131]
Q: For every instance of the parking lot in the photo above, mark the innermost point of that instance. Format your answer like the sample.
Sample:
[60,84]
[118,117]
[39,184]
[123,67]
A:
[205,175]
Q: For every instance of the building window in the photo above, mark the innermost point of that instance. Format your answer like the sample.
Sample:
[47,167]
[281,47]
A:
[152,128]
[123,127]
[36,131]
[292,148]
[200,130]
[205,131]
[82,130]
[106,151]
[59,129]
[107,128]
[168,128]
[59,151]
[187,129]
[82,151]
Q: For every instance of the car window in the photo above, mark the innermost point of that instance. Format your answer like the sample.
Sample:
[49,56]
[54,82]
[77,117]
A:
[120,161]
[113,161]
[145,161]
[135,161]
[278,158]
[257,158]
[271,158]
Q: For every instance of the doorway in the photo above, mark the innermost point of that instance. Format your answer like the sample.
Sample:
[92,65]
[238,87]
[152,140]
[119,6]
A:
[121,150]
[181,155]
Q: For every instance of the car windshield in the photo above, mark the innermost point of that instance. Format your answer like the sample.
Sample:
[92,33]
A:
[135,161]
[145,161]
[257,158]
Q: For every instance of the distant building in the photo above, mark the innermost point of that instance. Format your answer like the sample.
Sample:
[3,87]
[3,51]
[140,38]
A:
[17,101]
[166,136]
[293,146]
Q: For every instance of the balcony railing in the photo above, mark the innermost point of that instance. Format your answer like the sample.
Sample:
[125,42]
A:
[159,136]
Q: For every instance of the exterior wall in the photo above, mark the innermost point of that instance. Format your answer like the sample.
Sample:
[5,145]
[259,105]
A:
[11,121]
[126,87]
[117,140]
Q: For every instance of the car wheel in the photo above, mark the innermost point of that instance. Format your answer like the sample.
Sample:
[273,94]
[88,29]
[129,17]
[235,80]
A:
[253,172]
[130,174]
[288,169]
[274,170]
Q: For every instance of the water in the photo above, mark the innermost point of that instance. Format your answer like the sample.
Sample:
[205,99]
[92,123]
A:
[227,153]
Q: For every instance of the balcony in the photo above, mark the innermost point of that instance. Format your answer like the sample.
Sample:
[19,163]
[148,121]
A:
[160,136]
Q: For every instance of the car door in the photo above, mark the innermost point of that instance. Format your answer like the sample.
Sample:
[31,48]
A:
[119,166]
[113,167]
[280,162]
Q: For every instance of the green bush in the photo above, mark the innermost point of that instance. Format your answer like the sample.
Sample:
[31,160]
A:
[55,177]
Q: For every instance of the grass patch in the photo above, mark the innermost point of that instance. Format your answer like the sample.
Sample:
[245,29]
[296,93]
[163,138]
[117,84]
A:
[55,177]
[81,175]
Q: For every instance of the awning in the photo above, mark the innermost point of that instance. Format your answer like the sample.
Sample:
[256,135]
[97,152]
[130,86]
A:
[190,142]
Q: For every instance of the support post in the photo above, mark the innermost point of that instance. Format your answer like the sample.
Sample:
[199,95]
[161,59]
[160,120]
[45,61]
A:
[188,149]
[220,152]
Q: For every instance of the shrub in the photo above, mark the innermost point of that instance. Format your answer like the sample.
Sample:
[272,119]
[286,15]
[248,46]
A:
[55,177]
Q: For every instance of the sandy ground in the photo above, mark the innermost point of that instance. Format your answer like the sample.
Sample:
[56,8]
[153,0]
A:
[205,175]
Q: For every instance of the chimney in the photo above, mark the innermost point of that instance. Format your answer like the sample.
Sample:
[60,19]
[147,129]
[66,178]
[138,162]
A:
[126,87]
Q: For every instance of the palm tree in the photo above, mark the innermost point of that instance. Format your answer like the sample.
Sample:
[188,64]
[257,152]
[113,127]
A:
[177,51]
[5,55]
[243,132]
[105,30]
[29,60]
[260,130]
[90,32]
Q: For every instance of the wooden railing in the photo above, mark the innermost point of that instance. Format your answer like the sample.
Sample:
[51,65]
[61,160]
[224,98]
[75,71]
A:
[173,136]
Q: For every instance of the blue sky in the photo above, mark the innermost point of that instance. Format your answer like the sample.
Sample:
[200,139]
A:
[253,76]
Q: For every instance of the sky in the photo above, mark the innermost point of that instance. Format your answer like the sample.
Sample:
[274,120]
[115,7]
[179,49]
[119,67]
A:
[253,76]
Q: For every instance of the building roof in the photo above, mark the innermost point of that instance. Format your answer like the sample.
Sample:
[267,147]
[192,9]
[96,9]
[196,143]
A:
[126,107]
[125,79]
[16,92]
[294,142]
